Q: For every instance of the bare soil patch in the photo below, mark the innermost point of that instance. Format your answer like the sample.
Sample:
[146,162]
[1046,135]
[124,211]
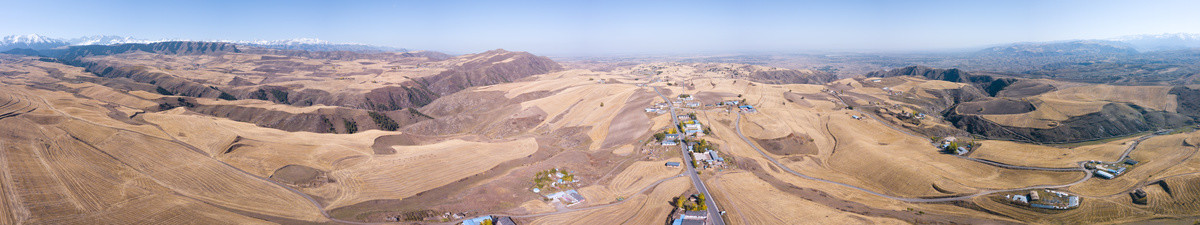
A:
[997,106]
[301,175]
[792,144]
[631,122]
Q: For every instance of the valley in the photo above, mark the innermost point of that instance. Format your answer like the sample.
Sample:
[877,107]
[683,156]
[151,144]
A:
[222,133]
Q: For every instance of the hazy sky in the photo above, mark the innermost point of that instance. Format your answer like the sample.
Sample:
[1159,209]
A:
[587,27]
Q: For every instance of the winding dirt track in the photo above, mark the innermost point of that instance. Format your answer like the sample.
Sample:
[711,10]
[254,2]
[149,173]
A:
[1080,168]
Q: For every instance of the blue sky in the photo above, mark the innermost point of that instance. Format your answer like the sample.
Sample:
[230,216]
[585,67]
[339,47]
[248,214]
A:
[612,27]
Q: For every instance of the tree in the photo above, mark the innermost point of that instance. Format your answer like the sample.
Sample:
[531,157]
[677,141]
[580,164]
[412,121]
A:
[659,136]
[487,222]
[351,126]
[384,122]
[679,201]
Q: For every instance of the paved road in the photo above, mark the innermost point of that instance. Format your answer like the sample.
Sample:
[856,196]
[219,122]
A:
[714,213]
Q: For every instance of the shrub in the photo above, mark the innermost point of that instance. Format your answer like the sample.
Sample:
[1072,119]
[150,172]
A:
[281,96]
[418,113]
[162,91]
[226,96]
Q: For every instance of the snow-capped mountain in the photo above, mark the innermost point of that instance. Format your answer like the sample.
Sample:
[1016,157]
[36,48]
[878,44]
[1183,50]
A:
[30,41]
[296,41]
[1159,42]
[33,41]
[109,40]
[313,44]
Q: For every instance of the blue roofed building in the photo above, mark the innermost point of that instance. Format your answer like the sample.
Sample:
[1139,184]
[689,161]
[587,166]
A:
[477,220]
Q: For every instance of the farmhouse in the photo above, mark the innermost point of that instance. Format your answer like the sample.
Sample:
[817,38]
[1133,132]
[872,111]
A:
[693,129]
[671,137]
[568,197]
[748,108]
[961,151]
[713,155]
[1019,199]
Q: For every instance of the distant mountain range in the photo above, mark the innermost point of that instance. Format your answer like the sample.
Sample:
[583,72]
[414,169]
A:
[1064,48]
[38,42]
[1162,42]
[1114,46]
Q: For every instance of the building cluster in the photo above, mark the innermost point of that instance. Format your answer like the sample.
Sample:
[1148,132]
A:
[660,108]
[671,139]
[1045,199]
[1109,170]
[748,109]
[952,145]
[497,220]
[553,179]
[708,159]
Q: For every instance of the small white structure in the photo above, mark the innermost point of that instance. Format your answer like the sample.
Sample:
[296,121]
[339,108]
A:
[700,156]
[1018,199]
[961,151]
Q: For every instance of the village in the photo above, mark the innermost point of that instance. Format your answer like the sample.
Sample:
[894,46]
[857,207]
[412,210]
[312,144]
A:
[558,187]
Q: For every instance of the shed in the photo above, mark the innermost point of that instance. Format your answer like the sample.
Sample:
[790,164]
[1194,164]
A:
[673,164]
[1131,162]
[1103,174]
[505,221]
[695,215]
